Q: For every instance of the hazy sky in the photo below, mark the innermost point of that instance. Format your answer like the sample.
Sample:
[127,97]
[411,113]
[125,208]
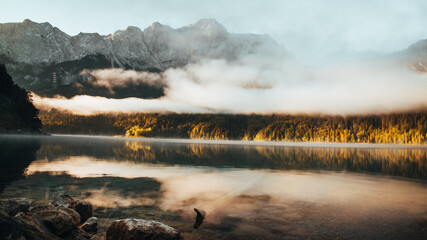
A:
[314,30]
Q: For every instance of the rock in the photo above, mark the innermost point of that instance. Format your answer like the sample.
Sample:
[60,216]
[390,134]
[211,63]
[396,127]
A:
[91,225]
[158,47]
[63,201]
[199,217]
[83,208]
[15,205]
[59,220]
[34,221]
[140,229]
[77,234]
[15,228]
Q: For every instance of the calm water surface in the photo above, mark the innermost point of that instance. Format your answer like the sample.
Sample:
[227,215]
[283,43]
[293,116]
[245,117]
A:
[249,191]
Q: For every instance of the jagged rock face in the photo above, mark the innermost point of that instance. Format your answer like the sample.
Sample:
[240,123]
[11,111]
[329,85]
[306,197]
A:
[33,51]
[159,46]
[30,42]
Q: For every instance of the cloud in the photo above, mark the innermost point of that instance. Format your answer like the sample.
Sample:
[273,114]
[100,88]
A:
[88,105]
[255,84]
[119,78]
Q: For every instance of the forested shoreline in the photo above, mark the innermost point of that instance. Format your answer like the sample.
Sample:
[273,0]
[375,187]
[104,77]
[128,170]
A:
[18,114]
[398,128]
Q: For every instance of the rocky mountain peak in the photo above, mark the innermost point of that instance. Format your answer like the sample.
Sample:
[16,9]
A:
[420,45]
[157,47]
[155,26]
[28,22]
[209,25]
[133,29]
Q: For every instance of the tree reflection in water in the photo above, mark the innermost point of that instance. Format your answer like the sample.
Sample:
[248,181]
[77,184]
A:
[16,154]
[242,187]
[396,161]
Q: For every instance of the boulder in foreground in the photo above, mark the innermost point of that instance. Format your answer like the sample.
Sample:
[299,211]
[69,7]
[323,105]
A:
[59,220]
[83,208]
[140,229]
[91,225]
[15,228]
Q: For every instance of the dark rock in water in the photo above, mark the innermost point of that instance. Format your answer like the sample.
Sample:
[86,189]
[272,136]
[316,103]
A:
[84,208]
[59,220]
[63,201]
[199,218]
[140,229]
[91,225]
[15,205]
[15,228]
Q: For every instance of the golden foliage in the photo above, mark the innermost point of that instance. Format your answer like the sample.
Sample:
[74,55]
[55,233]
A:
[404,128]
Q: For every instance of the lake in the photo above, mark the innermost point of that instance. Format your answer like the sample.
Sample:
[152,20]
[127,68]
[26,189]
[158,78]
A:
[250,190]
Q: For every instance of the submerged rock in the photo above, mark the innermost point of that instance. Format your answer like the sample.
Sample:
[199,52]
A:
[15,205]
[59,220]
[140,229]
[91,225]
[201,214]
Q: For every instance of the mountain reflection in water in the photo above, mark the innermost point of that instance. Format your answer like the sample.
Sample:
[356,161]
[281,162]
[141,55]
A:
[248,192]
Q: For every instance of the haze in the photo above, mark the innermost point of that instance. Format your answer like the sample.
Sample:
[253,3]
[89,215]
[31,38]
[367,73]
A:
[315,31]
[338,59]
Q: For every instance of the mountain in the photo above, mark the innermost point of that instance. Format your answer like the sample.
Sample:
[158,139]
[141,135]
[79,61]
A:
[415,56]
[32,51]
[17,113]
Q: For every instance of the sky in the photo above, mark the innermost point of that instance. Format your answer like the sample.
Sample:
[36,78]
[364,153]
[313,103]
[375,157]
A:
[314,31]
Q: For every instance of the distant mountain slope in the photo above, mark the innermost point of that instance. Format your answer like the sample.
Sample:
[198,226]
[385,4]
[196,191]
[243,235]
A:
[415,56]
[32,51]
[17,113]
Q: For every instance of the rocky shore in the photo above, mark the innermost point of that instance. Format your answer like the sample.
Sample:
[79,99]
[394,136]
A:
[72,219]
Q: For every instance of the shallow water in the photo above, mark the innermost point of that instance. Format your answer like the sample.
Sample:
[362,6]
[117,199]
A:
[249,191]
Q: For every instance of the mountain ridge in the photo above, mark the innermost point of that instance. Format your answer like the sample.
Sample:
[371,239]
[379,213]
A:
[29,49]
[33,51]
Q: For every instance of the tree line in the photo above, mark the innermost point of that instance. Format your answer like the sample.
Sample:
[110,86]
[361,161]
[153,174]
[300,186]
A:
[18,114]
[398,128]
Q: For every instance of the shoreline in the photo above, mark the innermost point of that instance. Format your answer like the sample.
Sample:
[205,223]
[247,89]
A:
[230,142]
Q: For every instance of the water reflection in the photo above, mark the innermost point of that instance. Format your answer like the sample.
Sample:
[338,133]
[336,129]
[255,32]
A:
[259,203]
[249,192]
[16,154]
[405,162]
